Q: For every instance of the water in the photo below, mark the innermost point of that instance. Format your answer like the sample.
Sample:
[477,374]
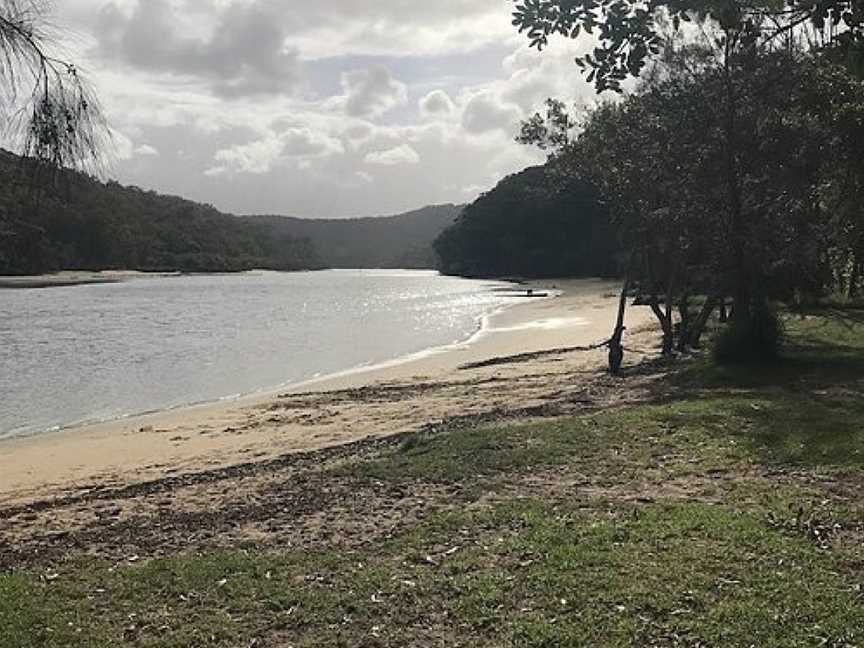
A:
[100,352]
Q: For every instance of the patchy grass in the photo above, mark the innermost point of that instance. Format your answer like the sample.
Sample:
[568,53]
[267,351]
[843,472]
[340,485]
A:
[728,515]
[526,573]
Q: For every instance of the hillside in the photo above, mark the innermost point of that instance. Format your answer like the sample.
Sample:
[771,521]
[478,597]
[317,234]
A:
[401,241]
[78,222]
[534,223]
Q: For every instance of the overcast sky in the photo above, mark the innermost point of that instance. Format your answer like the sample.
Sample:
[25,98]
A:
[318,108]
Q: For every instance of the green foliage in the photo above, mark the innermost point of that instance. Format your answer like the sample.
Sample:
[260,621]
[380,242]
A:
[753,339]
[627,34]
[535,223]
[76,222]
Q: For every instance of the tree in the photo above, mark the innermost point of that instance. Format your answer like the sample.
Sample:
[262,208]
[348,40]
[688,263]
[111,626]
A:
[629,33]
[764,146]
[532,224]
[49,106]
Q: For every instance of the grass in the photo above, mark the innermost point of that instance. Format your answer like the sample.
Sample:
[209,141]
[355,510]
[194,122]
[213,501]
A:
[725,516]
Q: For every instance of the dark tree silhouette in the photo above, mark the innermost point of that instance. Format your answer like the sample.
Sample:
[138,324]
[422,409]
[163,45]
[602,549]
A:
[50,109]
[629,33]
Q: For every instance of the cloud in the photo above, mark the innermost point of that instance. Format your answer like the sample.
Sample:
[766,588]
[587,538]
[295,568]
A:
[398,155]
[261,156]
[436,104]
[145,150]
[485,112]
[371,93]
[255,157]
[244,54]
[295,107]
[304,142]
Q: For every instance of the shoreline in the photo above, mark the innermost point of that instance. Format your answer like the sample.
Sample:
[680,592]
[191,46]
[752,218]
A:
[320,412]
[371,368]
[73,278]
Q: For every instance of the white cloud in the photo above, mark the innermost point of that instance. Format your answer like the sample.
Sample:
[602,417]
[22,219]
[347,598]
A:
[395,156]
[371,93]
[436,104]
[255,157]
[145,150]
[486,112]
[262,155]
[295,107]
[304,142]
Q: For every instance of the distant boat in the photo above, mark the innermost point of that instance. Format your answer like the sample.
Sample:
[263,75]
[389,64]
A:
[532,293]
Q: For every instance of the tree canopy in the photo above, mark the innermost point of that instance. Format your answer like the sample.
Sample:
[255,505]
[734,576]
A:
[629,33]
[536,223]
[727,178]
[79,222]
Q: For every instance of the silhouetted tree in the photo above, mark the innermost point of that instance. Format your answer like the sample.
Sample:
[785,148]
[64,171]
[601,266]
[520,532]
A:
[629,33]
[49,105]
[535,223]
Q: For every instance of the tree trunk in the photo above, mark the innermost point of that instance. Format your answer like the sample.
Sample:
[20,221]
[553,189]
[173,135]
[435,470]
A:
[616,348]
[724,315]
[686,322]
[852,291]
[665,319]
[732,180]
[694,336]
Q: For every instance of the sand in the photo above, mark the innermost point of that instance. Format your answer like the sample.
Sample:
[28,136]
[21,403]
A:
[70,278]
[522,358]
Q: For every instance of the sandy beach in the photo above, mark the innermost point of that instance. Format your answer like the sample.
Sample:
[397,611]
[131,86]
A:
[522,358]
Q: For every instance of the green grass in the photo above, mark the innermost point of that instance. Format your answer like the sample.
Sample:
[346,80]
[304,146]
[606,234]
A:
[526,573]
[727,516]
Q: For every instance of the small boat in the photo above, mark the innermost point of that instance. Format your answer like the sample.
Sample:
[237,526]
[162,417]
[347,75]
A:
[532,293]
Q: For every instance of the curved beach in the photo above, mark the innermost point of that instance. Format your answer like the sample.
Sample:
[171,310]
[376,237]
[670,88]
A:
[522,356]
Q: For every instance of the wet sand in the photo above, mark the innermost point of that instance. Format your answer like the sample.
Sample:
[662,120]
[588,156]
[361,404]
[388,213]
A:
[523,358]
[71,278]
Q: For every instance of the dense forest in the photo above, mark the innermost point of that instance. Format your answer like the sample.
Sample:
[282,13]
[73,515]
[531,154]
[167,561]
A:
[536,223]
[77,222]
[402,241]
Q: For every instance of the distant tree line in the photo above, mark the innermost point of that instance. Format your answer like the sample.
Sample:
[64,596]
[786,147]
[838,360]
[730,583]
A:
[69,220]
[400,241]
[76,222]
[535,223]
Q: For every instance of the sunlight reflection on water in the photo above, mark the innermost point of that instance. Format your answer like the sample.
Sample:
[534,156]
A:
[104,351]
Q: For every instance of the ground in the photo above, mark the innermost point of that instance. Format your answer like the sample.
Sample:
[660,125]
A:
[680,505]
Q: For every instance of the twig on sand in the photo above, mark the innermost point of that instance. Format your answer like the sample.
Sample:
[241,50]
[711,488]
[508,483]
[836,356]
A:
[533,355]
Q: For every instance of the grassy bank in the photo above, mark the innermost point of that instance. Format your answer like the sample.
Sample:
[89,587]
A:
[724,512]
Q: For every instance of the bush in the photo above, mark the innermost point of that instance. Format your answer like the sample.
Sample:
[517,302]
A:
[752,340]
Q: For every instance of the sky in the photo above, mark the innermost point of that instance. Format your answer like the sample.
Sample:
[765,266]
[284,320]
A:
[315,108]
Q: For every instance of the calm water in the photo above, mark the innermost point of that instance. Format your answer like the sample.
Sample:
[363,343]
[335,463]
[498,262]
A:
[88,353]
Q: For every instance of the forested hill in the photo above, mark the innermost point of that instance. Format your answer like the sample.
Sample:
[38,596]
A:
[403,241]
[77,222]
[534,223]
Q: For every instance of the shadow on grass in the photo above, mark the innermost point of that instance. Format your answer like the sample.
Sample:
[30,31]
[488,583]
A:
[805,409]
